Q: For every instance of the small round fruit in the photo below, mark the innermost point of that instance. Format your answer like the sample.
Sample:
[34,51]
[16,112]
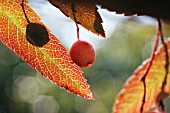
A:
[82,53]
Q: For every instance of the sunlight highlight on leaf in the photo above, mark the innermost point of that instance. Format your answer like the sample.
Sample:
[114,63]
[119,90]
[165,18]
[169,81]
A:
[130,98]
[52,60]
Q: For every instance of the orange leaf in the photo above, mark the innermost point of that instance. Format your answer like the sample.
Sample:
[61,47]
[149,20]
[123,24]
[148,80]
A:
[130,98]
[86,14]
[52,60]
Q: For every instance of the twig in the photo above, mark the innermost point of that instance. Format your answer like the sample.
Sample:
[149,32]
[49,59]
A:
[74,16]
[22,5]
[149,66]
[166,65]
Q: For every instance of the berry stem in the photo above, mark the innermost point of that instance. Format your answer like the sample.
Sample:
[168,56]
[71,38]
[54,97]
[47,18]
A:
[22,5]
[149,66]
[77,31]
[162,106]
[74,16]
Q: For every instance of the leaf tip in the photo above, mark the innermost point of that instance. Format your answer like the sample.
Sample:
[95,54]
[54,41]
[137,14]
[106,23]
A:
[90,96]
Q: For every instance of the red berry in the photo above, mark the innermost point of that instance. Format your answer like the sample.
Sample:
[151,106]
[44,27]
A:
[82,53]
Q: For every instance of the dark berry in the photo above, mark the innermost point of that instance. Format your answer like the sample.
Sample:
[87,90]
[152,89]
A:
[37,34]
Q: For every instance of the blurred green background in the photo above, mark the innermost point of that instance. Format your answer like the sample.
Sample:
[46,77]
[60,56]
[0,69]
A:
[24,90]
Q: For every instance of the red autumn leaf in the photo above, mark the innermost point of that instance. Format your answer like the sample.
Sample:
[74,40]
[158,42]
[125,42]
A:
[52,60]
[130,98]
[86,14]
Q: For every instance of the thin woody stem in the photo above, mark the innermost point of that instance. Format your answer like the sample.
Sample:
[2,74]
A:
[162,106]
[22,5]
[74,16]
[167,62]
[166,53]
[149,66]
[160,30]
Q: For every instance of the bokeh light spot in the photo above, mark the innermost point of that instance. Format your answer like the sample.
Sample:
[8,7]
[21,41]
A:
[26,89]
[45,104]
